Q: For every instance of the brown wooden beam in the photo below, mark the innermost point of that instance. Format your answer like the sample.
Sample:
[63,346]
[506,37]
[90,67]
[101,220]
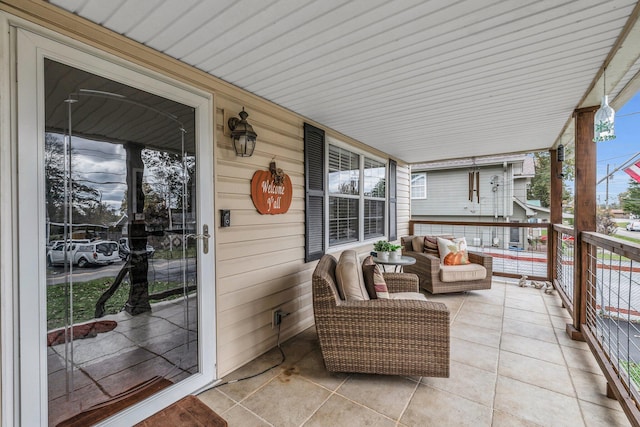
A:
[584,208]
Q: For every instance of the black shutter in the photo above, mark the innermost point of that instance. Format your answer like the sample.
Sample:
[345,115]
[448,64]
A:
[314,192]
[393,201]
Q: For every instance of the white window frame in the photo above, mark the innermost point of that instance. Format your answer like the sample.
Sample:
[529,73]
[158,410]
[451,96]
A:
[361,197]
[424,186]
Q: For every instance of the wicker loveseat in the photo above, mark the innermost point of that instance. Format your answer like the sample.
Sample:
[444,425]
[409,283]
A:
[428,269]
[380,336]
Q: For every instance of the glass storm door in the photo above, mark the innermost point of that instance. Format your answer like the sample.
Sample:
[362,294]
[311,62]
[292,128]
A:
[123,246]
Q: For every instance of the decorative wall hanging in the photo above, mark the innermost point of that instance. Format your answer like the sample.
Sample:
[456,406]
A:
[271,191]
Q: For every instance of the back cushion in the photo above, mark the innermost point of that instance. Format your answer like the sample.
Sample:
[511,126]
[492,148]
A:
[349,277]
[417,243]
[430,244]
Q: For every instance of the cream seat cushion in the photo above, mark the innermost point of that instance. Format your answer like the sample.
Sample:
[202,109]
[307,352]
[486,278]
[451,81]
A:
[408,295]
[349,277]
[462,273]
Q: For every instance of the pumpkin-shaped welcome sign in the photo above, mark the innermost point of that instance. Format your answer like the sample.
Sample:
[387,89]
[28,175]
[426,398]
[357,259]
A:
[271,193]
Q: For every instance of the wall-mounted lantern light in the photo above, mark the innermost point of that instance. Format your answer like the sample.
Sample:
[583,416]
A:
[560,159]
[244,138]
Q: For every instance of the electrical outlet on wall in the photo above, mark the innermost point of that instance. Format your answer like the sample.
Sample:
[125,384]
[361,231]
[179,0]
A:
[276,317]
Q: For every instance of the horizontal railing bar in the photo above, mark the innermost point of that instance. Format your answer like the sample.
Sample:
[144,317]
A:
[618,246]
[518,276]
[560,228]
[485,224]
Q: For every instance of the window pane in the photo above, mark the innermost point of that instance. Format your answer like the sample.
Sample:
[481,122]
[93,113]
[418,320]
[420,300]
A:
[418,186]
[343,220]
[373,218]
[374,178]
[344,171]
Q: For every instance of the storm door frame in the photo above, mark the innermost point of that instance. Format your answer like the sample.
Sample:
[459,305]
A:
[29,352]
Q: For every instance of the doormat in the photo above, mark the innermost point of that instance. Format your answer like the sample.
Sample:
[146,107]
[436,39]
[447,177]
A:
[88,330]
[186,412]
[116,404]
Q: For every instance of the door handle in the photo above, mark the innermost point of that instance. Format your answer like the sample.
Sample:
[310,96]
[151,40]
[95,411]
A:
[205,236]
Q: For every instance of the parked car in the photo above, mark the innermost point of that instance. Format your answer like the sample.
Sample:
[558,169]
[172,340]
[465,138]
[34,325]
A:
[125,251]
[56,253]
[96,253]
[633,226]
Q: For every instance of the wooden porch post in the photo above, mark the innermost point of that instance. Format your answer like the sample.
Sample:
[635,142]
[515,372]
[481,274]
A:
[584,211]
[555,214]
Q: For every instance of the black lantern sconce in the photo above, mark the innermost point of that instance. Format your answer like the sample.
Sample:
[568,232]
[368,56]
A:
[560,159]
[244,138]
[560,153]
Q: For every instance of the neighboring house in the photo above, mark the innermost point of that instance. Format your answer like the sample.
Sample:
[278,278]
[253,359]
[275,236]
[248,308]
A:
[481,189]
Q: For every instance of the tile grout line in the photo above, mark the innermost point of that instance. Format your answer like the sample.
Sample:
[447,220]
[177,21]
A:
[331,394]
[415,389]
[495,386]
[564,358]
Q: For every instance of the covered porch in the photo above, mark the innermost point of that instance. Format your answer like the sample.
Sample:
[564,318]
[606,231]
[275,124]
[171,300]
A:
[387,85]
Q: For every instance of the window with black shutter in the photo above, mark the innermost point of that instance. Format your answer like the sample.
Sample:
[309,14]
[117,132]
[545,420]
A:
[353,204]
[314,192]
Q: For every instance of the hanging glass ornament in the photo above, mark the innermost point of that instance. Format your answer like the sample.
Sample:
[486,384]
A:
[603,122]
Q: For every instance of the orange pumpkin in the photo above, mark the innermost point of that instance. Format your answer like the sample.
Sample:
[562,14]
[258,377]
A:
[452,258]
[455,258]
[268,197]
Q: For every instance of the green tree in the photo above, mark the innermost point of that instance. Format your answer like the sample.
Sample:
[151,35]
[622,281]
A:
[630,199]
[540,188]
[83,197]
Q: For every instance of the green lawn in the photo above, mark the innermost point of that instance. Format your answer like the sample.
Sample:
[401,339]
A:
[628,239]
[85,295]
[634,371]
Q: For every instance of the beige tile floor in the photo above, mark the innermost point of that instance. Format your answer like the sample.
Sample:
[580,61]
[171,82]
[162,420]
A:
[511,365]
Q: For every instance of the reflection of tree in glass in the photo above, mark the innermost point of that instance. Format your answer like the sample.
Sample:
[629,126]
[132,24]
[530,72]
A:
[84,199]
[163,186]
[378,190]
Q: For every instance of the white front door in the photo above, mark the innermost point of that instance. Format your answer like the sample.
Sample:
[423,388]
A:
[115,203]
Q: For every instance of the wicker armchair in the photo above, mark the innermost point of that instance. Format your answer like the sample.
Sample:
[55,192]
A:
[427,268]
[380,336]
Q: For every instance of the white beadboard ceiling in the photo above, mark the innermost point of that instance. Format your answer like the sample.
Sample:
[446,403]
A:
[420,80]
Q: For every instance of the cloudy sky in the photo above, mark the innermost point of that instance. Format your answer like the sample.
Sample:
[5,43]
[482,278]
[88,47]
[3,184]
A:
[618,151]
[101,165]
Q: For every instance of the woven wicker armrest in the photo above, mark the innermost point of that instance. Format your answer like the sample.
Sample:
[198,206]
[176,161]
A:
[401,282]
[483,259]
[425,263]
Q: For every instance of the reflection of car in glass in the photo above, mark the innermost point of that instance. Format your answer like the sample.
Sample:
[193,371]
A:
[125,251]
[55,255]
[96,253]
[633,226]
